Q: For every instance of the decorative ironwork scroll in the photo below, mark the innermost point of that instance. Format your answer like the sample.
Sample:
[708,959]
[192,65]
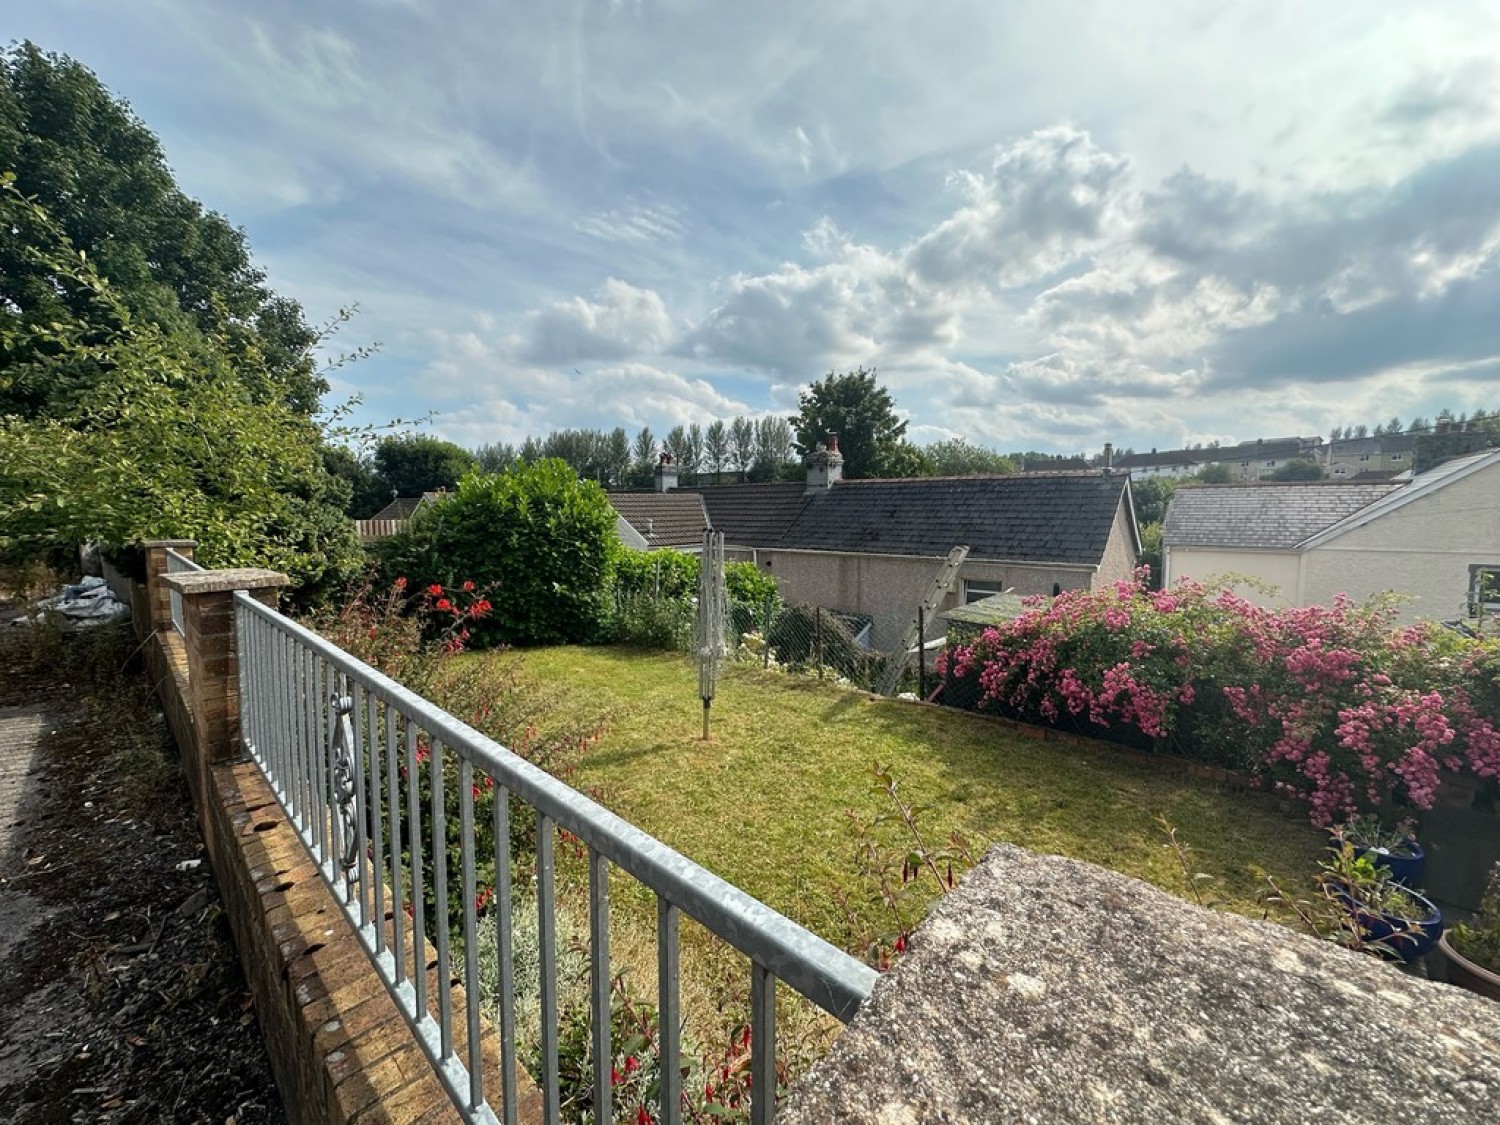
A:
[345,789]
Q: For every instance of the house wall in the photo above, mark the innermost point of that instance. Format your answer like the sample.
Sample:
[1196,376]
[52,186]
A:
[1119,560]
[1424,548]
[889,587]
[1280,569]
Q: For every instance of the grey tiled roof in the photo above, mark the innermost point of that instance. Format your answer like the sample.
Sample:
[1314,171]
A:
[1262,515]
[1052,517]
[663,519]
[404,507]
[753,515]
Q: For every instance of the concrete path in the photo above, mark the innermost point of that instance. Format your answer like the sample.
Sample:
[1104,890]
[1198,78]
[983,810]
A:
[23,1026]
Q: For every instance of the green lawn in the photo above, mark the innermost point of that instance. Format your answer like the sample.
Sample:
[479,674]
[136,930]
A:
[763,803]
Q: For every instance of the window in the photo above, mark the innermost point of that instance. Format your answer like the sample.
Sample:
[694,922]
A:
[1364,456]
[1270,464]
[1484,590]
[976,588]
[1398,457]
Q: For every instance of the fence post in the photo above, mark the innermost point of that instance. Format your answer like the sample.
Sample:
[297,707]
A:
[158,597]
[766,635]
[921,652]
[213,658]
[818,638]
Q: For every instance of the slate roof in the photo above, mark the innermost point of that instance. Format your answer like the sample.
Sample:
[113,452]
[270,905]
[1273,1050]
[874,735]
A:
[1052,517]
[663,519]
[404,507]
[1166,457]
[1262,515]
[753,515]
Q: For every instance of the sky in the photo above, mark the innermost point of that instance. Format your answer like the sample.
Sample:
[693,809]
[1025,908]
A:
[1047,225]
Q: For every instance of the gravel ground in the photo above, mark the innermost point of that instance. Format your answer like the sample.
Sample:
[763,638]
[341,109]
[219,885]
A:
[121,998]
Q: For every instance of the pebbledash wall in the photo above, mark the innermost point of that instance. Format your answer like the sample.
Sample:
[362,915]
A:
[340,1050]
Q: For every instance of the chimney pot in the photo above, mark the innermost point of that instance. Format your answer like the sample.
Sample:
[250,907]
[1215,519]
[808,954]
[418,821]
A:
[833,441]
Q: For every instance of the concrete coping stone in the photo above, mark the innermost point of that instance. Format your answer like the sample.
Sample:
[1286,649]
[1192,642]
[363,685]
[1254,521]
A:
[1046,990]
[172,543]
[222,581]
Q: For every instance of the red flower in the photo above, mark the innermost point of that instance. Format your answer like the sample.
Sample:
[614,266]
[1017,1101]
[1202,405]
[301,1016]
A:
[642,1117]
[632,1064]
[615,1077]
[401,583]
[444,603]
[435,590]
[468,587]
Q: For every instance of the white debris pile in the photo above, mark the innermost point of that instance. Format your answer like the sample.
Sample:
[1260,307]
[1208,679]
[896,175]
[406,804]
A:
[90,602]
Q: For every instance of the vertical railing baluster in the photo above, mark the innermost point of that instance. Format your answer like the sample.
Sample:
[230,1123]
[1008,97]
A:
[669,1013]
[509,1104]
[762,1044]
[393,719]
[376,821]
[323,685]
[418,881]
[284,708]
[304,732]
[440,915]
[471,927]
[337,718]
[546,906]
[361,803]
[310,744]
[599,979]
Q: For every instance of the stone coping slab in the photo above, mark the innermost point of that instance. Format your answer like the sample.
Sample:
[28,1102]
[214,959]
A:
[1046,990]
[220,581]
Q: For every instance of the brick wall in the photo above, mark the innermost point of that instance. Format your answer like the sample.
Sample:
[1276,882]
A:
[340,1049]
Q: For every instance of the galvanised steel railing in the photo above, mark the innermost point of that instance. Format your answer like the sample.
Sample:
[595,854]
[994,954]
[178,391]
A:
[178,564]
[342,745]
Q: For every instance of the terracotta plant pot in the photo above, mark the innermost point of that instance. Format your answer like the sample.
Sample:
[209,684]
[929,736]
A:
[1466,974]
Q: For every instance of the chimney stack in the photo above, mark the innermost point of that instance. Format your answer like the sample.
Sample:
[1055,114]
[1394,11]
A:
[666,473]
[1109,457]
[825,466]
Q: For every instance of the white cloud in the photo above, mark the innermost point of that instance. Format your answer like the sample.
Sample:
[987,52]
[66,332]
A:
[623,321]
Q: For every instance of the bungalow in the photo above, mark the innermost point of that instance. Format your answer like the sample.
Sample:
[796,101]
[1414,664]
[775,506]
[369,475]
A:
[873,547]
[1435,538]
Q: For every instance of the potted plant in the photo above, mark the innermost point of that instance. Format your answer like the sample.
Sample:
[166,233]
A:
[1473,947]
[1375,913]
[1394,849]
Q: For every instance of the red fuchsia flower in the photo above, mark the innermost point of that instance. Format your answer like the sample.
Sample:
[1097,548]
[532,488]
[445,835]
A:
[400,583]
[468,587]
[615,1077]
[643,1117]
[632,1064]
[444,604]
[435,590]
[483,898]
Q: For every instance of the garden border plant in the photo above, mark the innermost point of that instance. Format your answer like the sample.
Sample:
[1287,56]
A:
[1334,705]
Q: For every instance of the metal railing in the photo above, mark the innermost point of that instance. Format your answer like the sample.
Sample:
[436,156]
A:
[178,564]
[344,747]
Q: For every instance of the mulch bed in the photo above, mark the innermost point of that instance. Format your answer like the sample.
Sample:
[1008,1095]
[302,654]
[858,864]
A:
[121,997]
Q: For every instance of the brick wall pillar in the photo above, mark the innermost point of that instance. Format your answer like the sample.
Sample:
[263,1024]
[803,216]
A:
[156,570]
[213,659]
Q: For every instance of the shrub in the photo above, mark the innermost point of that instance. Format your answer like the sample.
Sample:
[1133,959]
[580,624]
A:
[1332,704]
[664,574]
[536,535]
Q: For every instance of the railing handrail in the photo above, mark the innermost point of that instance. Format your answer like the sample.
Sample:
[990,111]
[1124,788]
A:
[820,971]
[178,563]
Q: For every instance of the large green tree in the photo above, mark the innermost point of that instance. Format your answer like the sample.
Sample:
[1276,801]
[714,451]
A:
[98,174]
[411,464]
[166,438]
[860,411]
[957,458]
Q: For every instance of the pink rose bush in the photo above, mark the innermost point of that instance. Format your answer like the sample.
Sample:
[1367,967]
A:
[1332,704]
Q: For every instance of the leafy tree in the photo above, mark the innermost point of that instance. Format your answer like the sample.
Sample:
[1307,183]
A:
[536,540]
[906,460]
[165,439]
[861,412]
[99,176]
[742,445]
[1297,469]
[1150,497]
[1214,474]
[411,464]
[367,492]
[716,448]
[1151,552]
[773,449]
[957,458]
[531,451]
[495,457]
[617,458]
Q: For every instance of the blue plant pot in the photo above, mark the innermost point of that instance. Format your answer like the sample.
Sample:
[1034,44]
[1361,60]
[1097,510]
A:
[1405,869]
[1402,939]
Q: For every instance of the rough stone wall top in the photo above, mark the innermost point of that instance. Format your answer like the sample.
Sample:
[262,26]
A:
[1044,990]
